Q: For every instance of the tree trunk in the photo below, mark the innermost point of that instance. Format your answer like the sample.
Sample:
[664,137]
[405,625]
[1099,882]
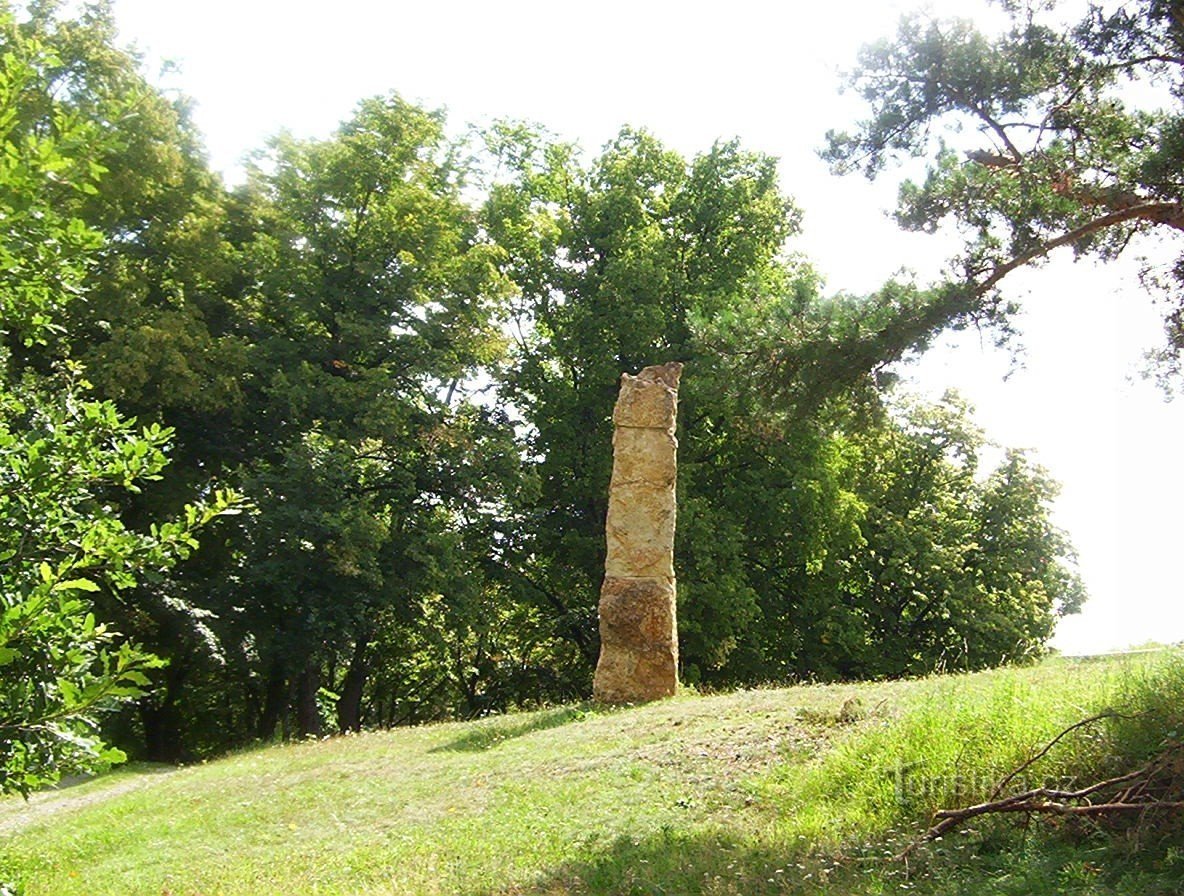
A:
[308,716]
[163,740]
[273,701]
[349,705]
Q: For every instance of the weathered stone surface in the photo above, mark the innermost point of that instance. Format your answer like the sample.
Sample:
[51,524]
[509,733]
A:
[648,403]
[638,629]
[635,676]
[643,455]
[637,509]
[637,613]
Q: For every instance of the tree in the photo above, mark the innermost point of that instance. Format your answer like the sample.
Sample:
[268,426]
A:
[370,304]
[317,337]
[1038,138]
[791,464]
[62,456]
[156,332]
[958,570]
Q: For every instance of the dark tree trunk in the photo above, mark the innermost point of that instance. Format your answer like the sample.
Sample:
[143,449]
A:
[163,738]
[308,716]
[349,705]
[274,701]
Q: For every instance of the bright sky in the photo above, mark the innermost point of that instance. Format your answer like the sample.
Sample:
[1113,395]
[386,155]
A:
[766,72]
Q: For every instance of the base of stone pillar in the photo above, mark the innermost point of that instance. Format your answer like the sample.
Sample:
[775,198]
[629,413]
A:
[639,640]
[635,676]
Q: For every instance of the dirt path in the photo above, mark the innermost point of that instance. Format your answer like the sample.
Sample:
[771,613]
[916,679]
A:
[16,814]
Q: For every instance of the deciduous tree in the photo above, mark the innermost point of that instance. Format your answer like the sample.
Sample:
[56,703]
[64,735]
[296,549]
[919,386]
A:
[63,455]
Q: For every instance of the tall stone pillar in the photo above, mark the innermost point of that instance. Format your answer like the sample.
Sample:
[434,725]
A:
[638,630]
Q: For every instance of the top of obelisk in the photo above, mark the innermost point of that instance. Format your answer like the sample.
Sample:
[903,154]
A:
[650,399]
[667,374]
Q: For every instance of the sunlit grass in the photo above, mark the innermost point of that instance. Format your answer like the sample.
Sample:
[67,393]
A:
[952,741]
[797,790]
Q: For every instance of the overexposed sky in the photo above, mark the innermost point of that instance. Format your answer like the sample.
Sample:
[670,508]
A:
[766,72]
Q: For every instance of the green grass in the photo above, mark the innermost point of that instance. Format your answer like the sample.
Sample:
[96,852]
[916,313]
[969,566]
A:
[797,790]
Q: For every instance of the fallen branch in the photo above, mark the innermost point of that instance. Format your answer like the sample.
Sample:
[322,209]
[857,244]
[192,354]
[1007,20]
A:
[1146,790]
[1037,805]
[1002,785]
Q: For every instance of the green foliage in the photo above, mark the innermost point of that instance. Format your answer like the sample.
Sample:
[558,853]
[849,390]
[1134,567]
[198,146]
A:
[821,532]
[405,349]
[957,570]
[61,457]
[152,332]
[616,262]
[42,254]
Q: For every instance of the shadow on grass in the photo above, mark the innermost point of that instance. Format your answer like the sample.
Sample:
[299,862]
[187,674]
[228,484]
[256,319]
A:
[721,864]
[493,732]
[681,862]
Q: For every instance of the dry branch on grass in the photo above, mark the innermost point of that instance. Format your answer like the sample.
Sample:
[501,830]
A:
[1156,787]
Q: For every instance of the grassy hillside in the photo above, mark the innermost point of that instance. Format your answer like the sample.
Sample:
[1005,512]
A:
[798,790]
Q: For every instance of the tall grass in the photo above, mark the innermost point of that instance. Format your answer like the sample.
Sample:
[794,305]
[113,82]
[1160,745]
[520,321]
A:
[958,737]
[1151,700]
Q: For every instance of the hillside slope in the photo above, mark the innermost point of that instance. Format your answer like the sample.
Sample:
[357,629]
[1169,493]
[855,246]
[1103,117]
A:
[798,790]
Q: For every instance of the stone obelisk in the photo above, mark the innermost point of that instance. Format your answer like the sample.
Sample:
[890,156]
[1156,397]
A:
[638,630]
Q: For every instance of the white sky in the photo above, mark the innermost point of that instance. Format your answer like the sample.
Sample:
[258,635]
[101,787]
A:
[766,72]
